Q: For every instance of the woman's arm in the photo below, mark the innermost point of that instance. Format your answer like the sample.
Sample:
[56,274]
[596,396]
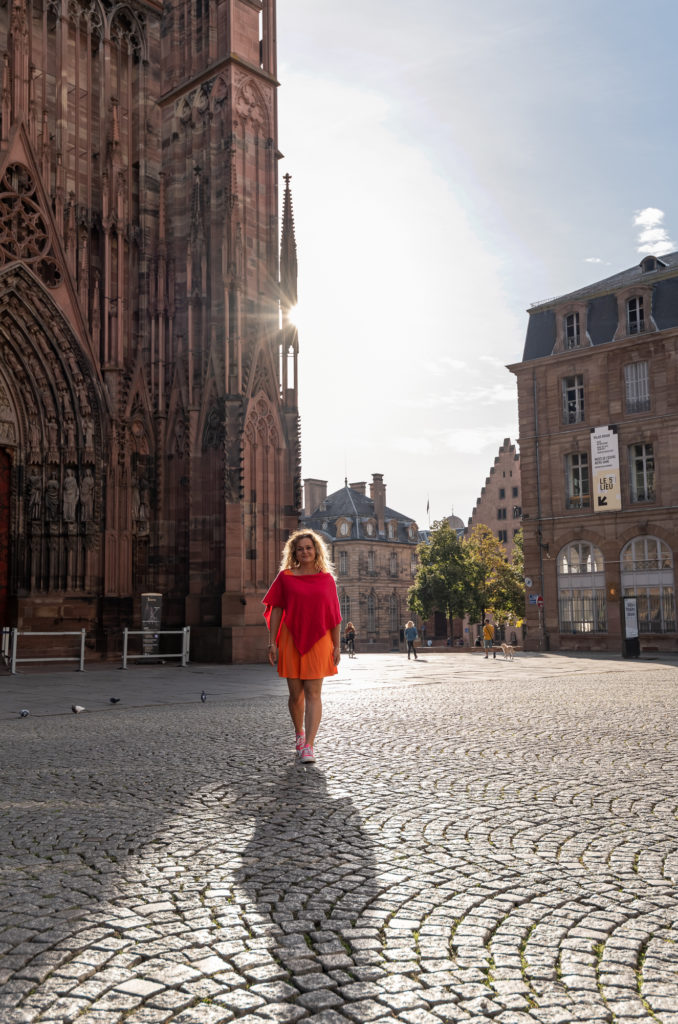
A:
[276,616]
[335,633]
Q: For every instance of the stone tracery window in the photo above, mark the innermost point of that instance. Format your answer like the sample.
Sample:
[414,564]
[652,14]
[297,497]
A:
[23,229]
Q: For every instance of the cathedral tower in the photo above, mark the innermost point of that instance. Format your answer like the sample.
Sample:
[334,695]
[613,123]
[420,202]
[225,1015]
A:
[148,400]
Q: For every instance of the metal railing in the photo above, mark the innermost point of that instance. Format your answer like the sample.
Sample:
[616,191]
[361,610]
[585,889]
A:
[14,635]
[150,635]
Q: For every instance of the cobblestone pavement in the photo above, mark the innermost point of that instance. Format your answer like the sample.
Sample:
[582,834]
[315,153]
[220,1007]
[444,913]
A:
[497,842]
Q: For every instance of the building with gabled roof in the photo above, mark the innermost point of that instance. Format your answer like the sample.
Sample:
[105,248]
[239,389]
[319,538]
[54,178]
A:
[373,548]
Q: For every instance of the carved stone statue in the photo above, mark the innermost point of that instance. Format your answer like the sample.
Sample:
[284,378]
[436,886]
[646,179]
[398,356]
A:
[34,495]
[87,497]
[71,495]
[52,498]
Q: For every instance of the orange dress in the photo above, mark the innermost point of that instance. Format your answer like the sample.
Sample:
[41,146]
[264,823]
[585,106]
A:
[315,664]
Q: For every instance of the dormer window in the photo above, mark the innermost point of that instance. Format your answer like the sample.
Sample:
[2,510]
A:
[571,330]
[343,528]
[369,529]
[391,530]
[635,318]
[650,263]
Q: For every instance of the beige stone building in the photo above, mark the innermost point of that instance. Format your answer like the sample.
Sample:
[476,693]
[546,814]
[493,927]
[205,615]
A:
[373,548]
[597,392]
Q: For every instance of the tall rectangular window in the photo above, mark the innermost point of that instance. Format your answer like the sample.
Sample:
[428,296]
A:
[501,513]
[343,563]
[571,330]
[502,536]
[393,564]
[578,490]
[573,399]
[370,561]
[641,467]
[345,605]
[635,319]
[637,387]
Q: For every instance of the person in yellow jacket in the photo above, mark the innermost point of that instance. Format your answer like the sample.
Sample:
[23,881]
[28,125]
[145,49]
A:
[488,638]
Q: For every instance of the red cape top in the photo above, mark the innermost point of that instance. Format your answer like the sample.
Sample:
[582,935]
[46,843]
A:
[310,606]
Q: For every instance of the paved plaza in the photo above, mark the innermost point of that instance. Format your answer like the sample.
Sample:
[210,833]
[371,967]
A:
[479,840]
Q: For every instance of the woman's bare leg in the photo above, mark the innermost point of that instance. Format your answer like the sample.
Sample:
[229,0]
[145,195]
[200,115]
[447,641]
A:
[296,703]
[314,707]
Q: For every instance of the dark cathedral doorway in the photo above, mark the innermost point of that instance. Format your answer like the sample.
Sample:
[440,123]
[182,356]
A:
[5,477]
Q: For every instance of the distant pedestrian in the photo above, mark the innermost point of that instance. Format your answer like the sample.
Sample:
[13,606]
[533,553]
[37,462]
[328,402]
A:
[349,639]
[488,638]
[303,616]
[410,637]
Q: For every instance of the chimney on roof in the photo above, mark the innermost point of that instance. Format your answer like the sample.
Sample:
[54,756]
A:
[315,492]
[360,487]
[378,496]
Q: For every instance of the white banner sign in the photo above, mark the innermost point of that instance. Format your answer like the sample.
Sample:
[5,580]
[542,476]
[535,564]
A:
[606,494]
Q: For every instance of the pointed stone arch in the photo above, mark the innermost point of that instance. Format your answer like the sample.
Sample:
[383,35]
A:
[54,429]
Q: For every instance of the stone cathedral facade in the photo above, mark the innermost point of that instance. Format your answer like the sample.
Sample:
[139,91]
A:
[149,433]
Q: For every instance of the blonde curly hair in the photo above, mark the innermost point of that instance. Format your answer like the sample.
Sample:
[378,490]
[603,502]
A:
[323,562]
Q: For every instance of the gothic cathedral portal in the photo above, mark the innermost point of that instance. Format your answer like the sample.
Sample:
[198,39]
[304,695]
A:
[149,432]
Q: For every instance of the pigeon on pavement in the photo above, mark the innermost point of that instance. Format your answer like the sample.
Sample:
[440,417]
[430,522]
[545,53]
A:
[24,713]
[114,700]
[76,709]
[203,696]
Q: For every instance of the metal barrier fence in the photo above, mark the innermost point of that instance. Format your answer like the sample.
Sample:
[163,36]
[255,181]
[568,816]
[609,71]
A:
[148,634]
[14,635]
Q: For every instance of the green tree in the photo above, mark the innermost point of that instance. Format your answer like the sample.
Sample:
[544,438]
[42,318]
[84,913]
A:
[495,584]
[440,583]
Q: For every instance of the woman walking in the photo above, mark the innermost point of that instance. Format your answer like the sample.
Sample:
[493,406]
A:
[349,637]
[304,621]
[410,636]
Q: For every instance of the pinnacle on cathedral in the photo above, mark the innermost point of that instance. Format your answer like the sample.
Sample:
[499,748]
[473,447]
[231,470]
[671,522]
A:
[288,251]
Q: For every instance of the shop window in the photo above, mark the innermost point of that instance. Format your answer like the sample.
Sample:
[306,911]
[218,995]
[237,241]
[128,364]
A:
[582,604]
[647,575]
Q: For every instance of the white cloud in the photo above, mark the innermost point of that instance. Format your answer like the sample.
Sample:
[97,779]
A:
[653,236]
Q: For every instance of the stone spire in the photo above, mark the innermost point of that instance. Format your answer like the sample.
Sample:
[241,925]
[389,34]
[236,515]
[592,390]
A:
[288,252]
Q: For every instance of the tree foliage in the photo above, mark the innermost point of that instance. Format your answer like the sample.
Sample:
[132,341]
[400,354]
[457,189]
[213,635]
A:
[469,577]
[497,584]
[440,581]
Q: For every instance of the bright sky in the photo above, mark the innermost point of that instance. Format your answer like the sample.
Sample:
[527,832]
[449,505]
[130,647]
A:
[451,164]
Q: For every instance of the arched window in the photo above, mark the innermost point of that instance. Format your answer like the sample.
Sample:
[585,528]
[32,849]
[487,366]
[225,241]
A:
[371,614]
[647,574]
[582,606]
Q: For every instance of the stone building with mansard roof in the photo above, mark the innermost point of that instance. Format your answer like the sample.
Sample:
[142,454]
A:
[148,394]
[597,389]
[373,548]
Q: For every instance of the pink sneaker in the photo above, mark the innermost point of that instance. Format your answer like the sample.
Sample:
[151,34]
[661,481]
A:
[307,756]
[301,742]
